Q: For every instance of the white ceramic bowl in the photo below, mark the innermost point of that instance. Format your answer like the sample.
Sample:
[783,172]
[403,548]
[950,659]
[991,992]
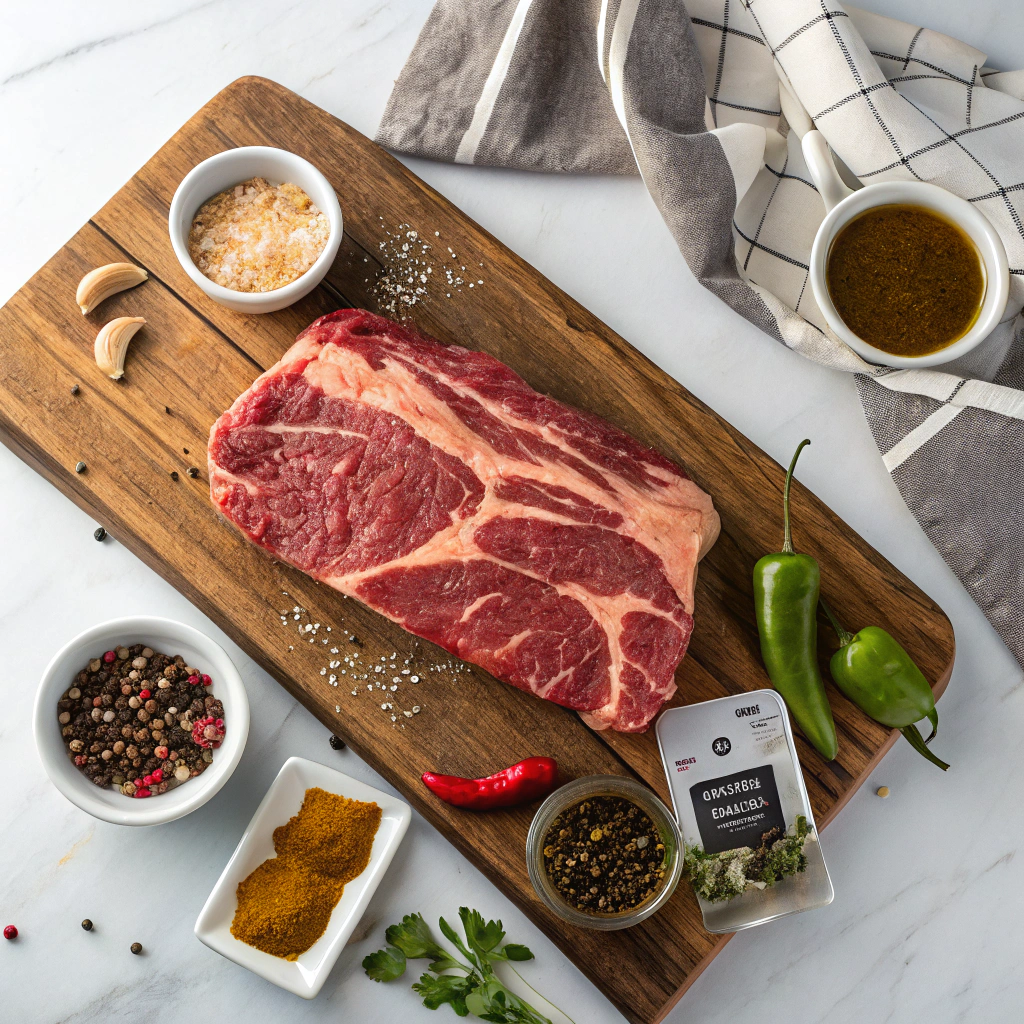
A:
[960,212]
[306,975]
[226,169]
[166,637]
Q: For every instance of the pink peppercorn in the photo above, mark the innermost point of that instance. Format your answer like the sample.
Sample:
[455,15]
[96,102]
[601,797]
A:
[145,694]
[10,932]
[142,792]
[207,681]
[208,733]
[194,680]
[109,657]
[158,775]
[162,753]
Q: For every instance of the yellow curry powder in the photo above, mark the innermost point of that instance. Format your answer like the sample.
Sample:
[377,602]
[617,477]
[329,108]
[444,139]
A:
[285,904]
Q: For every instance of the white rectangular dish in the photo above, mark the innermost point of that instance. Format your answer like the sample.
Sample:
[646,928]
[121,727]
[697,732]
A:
[306,975]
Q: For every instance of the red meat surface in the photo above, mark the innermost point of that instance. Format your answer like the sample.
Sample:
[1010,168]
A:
[433,484]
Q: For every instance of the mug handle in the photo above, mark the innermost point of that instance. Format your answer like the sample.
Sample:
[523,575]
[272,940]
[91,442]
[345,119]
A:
[831,187]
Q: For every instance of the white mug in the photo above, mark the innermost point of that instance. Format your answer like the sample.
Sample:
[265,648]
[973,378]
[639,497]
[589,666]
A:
[843,204]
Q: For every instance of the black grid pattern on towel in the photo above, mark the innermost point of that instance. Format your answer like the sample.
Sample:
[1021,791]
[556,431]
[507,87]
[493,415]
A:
[760,235]
[725,58]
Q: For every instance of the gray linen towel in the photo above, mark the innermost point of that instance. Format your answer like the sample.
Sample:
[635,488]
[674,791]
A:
[689,96]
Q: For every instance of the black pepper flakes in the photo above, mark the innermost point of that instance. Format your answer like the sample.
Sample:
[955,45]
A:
[192,472]
[174,474]
[75,389]
[604,856]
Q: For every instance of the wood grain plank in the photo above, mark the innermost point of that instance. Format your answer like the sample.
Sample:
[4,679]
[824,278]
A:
[194,357]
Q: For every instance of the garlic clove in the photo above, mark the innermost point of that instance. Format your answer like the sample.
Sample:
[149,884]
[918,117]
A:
[112,344]
[101,283]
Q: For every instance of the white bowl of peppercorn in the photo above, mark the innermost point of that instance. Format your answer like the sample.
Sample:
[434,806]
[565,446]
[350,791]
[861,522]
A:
[139,721]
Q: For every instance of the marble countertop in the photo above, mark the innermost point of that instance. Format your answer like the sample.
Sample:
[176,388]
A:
[924,926]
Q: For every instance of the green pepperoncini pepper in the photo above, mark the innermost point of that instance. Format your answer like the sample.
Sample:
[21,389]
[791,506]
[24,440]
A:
[786,589]
[878,675]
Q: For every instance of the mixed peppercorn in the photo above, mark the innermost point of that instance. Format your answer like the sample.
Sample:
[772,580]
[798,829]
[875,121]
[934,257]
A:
[604,856]
[11,933]
[141,721]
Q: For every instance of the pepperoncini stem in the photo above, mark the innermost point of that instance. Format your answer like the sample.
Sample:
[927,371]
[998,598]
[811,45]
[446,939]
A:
[933,717]
[845,639]
[787,537]
[917,742]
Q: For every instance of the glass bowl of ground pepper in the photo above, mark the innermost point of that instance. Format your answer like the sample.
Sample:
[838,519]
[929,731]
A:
[604,852]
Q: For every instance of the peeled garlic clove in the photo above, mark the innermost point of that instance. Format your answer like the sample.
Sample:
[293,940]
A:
[101,283]
[112,344]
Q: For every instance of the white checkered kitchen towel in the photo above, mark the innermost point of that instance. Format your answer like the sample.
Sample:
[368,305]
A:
[691,99]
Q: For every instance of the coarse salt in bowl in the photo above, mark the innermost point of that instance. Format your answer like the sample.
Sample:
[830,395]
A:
[168,637]
[230,168]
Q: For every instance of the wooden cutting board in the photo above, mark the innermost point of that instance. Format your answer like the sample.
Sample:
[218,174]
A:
[194,357]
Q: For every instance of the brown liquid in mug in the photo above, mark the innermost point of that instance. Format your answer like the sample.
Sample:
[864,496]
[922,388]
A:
[905,279]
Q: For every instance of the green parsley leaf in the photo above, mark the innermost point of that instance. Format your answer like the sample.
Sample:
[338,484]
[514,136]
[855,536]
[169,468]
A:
[453,937]
[414,938]
[385,964]
[487,1001]
[444,962]
[483,937]
[514,951]
[447,988]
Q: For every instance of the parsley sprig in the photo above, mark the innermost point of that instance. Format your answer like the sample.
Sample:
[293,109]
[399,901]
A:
[475,989]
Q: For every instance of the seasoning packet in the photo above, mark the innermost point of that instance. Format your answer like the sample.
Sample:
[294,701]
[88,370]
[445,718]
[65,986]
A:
[734,775]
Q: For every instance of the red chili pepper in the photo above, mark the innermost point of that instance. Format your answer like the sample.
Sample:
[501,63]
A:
[519,784]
